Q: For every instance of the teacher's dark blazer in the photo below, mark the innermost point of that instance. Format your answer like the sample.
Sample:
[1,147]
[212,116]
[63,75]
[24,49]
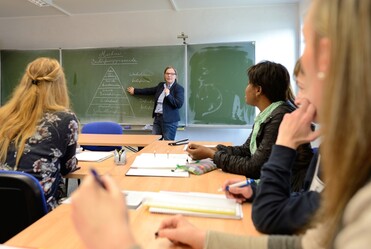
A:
[172,103]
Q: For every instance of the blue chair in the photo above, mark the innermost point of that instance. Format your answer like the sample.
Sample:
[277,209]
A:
[102,127]
[22,202]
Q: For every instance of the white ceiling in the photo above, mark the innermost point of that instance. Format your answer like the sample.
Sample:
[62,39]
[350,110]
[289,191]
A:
[23,8]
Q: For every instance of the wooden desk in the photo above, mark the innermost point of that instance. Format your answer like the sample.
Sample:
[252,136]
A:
[117,140]
[108,140]
[108,165]
[55,230]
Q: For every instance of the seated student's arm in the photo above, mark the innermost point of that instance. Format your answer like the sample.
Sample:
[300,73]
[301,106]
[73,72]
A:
[70,129]
[215,239]
[199,152]
[240,194]
[180,231]
[107,224]
[239,150]
[275,209]
[250,166]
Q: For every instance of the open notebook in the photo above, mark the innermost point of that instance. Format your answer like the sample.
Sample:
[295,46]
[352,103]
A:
[158,164]
[186,203]
[194,204]
[159,161]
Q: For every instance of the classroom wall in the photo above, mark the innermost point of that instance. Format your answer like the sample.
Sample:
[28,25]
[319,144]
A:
[274,28]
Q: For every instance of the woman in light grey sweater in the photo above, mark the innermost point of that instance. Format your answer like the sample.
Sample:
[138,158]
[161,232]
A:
[337,87]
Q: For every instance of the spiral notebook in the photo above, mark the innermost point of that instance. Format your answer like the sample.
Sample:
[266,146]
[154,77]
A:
[194,204]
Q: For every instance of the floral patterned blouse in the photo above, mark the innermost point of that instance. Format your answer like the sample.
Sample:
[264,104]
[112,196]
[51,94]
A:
[49,154]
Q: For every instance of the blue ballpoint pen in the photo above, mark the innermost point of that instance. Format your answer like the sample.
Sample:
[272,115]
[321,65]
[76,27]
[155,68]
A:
[97,178]
[239,184]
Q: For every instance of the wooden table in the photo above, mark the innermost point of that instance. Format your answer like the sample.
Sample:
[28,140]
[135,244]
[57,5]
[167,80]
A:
[109,167]
[108,140]
[117,140]
[55,230]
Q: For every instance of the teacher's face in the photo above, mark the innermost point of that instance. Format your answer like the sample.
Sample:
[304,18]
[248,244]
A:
[170,76]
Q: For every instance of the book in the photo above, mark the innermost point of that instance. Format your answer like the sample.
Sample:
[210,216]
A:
[191,213]
[194,204]
[93,156]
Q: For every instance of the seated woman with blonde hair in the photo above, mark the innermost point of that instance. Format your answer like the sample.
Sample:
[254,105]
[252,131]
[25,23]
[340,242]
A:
[38,132]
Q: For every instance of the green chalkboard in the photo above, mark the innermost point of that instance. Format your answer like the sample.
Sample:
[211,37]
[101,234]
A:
[13,66]
[217,81]
[98,78]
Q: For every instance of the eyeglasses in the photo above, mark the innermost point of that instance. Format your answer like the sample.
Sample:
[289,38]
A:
[170,74]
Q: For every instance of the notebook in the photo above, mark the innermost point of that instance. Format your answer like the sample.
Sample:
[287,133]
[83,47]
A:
[133,198]
[156,172]
[194,204]
[93,156]
[159,161]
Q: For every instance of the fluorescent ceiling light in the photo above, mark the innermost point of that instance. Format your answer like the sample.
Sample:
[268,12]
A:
[39,3]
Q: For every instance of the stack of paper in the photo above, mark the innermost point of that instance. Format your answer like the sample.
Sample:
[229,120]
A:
[156,172]
[133,198]
[194,204]
[93,156]
[159,161]
[152,164]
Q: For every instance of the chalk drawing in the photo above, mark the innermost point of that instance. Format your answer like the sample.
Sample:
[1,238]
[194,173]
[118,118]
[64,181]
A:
[110,98]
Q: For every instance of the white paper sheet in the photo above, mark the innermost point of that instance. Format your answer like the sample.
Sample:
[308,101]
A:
[156,172]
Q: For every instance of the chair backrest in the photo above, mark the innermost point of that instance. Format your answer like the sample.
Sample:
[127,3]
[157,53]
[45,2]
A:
[22,202]
[102,127]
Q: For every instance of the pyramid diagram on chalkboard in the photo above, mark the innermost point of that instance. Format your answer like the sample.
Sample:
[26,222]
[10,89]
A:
[110,98]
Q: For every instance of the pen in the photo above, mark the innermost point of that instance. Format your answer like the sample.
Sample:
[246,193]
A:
[238,184]
[179,141]
[97,178]
[75,169]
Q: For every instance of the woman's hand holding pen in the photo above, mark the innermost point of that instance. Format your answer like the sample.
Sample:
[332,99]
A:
[179,230]
[90,205]
[198,152]
[240,194]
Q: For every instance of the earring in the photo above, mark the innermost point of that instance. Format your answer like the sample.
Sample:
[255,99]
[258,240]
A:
[321,75]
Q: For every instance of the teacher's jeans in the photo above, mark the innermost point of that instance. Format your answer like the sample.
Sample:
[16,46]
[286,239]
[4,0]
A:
[166,129]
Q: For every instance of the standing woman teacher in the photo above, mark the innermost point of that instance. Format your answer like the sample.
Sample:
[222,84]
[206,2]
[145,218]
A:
[169,98]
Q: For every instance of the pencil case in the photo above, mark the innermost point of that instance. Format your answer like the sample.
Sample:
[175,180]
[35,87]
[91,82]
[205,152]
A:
[199,167]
